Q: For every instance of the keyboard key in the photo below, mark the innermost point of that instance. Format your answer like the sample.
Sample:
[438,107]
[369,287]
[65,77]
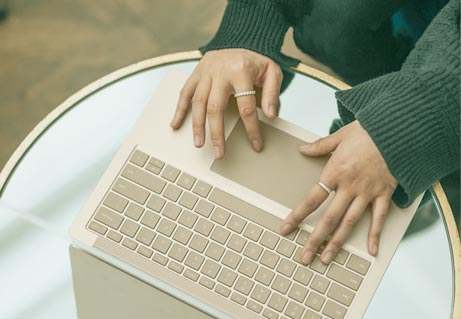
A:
[315,301]
[286,248]
[223,291]
[150,219]
[358,264]
[97,227]
[220,216]
[108,217]
[245,210]
[115,202]
[143,178]
[198,243]
[345,277]
[182,235]
[134,211]
[139,158]
[172,192]
[247,267]
[156,203]
[231,259]
[297,255]
[170,173]
[303,276]
[253,251]
[269,240]
[203,227]
[210,268]
[341,256]
[131,191]
[264,276]
[177,252]
[318,265]
[161,244]
[333,310]
[114,236]
[253,232]
[129,228]
[186,181]
[236,224]
[243,285]
[236,243]
[202,189]
[171,211]
[298,293]
[192,275]
[286,267]
[256,307]
[188,200]
[153,169]
[281,284]
[187,219]
[277,302]
[145,236]
[204,208]
[166,227]
[227,277]
[156,162]
[269,259]
[175,267]
[302,237]
[320,284]
[214,251]
[238,298]
[294,310]
[260,293]
[312,315]
[341,294]
[146,252]
[269,314]
[162,260]
[194,260]
[129,243]
[220,235]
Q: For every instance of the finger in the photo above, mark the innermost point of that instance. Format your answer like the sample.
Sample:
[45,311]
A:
[326,225]
[348,222]
[379,210]
[322,146]
[217,102]
[187,92]
[271,92]
[199,106]
[247,109]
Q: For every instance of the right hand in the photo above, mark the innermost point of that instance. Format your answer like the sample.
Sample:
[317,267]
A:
[219,75]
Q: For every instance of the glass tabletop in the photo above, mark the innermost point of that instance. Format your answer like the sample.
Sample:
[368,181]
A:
[59,171]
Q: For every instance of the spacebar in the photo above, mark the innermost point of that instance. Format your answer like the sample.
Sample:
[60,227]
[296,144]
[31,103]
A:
[245,210]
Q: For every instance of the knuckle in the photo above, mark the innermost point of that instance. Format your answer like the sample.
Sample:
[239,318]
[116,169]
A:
[334,245]
[215,139]
[350,221]
[330,220]
[197,126]
[197,99]
[247,111]
[213,109]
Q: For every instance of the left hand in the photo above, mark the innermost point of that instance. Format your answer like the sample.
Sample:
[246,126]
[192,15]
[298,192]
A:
[358,174]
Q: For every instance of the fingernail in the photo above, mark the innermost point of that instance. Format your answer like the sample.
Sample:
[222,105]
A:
[374,249]
[305,146]
[256,143]
[197,140]
[327,257]
[217,152]
[307,257]
[272,110]
[285,229]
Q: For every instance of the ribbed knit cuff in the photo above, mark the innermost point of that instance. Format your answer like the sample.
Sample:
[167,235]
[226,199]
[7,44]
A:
[407,122]
[254,25]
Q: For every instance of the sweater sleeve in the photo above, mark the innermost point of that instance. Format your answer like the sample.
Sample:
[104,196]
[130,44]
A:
[413,115]
[257,25]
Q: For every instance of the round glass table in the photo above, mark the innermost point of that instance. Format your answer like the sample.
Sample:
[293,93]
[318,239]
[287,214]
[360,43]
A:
[54,170]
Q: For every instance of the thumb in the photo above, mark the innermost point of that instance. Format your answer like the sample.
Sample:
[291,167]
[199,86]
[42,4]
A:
[320,147]
[271,91]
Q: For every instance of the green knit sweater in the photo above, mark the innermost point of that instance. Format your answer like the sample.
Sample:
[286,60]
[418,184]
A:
[412,113]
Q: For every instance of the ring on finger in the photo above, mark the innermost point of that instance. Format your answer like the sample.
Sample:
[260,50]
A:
[325,187]
[245,93]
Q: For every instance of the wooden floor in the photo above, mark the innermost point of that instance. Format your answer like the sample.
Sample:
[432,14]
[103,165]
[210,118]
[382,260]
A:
[49,49]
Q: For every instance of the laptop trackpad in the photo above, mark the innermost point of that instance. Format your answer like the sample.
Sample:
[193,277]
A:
[279,172]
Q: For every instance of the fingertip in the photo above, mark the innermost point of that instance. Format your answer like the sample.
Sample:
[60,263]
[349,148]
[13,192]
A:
[257,144]
[285,229]
[303,148]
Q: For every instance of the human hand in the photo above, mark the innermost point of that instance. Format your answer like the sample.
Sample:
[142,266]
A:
[218,75]
[359,175]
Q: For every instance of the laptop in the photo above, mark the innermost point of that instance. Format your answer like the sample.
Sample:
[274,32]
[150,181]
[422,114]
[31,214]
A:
[206,231]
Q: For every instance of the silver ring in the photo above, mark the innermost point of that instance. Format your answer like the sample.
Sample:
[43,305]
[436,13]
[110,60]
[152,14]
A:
[325,187]
[253,92]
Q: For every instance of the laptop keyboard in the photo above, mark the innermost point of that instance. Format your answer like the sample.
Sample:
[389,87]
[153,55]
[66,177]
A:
[222,243]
